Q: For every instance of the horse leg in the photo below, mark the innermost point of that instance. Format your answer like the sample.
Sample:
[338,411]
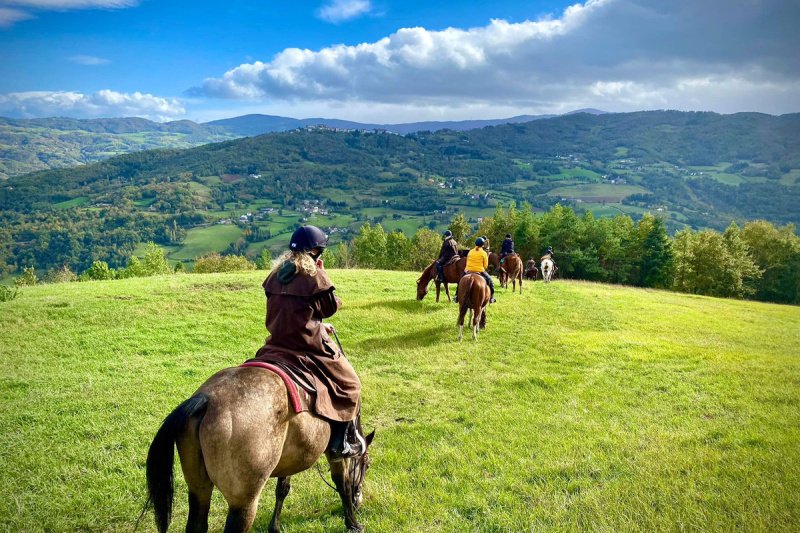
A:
[437,291]
[447,291]
[240,519]
[197,480]
[281,491]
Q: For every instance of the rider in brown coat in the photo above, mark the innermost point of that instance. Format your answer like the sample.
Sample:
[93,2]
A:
[299,296]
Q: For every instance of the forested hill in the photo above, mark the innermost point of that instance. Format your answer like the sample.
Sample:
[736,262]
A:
[28,145]
[695,169]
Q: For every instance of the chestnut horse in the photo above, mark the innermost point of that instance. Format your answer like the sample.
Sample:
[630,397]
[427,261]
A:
[452,273]
[510,268]
[237,431]
[473,294]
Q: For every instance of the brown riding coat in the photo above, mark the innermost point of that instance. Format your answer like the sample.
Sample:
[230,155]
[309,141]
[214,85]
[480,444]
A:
[298,340]
[448,251]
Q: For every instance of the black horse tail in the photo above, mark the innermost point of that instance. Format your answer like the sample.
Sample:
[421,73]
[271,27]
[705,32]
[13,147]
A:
[160,458]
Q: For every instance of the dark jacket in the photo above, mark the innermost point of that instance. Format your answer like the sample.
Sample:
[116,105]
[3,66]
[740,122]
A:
[295,310]
[508,247]
[448,251]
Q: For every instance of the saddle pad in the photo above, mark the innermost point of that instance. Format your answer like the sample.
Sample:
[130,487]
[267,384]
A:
[294,395]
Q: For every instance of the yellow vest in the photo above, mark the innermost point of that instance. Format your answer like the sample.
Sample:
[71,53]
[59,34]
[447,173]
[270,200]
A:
[477,260]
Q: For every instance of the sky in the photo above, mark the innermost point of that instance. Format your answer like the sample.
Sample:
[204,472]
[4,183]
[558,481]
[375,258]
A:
[390,61]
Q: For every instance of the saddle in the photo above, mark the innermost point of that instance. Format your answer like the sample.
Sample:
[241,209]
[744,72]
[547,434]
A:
[454,259]
[300,397]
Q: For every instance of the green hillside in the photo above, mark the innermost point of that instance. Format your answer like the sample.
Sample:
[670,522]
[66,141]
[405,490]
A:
[693,169]
[581,407]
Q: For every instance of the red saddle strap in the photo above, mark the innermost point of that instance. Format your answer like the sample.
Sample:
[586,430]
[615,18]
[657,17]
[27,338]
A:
[294,397]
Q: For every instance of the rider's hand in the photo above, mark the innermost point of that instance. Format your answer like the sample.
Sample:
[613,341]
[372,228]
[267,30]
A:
[320,264]
[329,329]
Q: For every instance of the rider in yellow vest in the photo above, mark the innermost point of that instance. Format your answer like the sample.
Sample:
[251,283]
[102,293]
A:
[478,262]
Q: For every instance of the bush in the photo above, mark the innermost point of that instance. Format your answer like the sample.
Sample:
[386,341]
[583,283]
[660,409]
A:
[62,275]
[155,261]
[27,278]
[264,260]
[7,293]
[222,263]
[98,270]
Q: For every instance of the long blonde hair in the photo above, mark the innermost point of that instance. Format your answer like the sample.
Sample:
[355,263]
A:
[302,261]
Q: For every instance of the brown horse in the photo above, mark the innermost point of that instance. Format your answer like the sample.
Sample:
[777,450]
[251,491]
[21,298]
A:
[531,271]
[452,273]
[473,294]
[510,268]
[237,431]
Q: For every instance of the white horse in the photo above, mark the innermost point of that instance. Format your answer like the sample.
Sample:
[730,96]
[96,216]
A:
[548,267]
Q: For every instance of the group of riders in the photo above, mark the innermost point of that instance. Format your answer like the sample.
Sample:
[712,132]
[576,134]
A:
[478,258]
[300,295]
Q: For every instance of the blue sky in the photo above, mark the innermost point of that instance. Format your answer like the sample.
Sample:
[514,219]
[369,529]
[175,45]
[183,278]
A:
[393,61]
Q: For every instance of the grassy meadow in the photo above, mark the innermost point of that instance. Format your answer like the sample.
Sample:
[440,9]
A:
[581,407]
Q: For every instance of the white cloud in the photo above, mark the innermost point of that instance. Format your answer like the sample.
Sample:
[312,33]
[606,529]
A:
[340,10]
[9,16]
[105,103]
[612,54]
[91,61]
[72,4]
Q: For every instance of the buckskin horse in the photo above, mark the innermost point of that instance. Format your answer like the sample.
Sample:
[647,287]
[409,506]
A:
[473,295]
[237,431]
[452,273]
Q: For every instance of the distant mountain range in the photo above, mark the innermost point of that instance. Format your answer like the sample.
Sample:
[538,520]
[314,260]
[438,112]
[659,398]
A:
[27,145]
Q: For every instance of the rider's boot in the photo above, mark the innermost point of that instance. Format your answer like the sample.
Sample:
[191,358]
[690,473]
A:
[345,440]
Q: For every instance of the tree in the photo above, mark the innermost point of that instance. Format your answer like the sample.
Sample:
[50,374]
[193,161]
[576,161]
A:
[369,247]
[655,267]
[398,247]
[425,246]
[154,261]
[741,271]
[460,228]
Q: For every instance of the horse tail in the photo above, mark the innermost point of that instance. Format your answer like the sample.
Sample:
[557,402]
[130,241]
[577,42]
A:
[160,458]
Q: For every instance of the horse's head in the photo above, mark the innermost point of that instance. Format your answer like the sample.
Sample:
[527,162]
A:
[357,471]
[422,288]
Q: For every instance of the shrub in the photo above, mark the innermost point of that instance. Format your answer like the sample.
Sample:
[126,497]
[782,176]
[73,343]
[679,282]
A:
[28,277]
[221,263]
[264,260]
[98,270]
[155,261]
[62,275]
[7,293]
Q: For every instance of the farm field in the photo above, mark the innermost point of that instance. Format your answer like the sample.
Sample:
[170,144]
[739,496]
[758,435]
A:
[597,192]
[582,406]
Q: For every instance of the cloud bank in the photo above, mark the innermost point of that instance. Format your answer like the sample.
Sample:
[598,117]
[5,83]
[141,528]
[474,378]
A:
[105,103]
[611,54]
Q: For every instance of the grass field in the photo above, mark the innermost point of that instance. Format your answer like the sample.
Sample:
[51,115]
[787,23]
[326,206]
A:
[597,192]
[581,407]
[201,241]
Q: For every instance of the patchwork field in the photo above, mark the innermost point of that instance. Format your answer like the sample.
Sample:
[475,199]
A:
[581,407]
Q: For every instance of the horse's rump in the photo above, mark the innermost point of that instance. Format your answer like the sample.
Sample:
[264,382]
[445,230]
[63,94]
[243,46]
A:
[300,402]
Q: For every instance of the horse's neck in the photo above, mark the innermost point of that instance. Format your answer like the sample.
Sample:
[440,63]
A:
[427,274]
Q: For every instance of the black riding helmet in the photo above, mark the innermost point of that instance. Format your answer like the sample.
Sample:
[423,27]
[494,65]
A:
[306,238]
[448,233]
[479,241]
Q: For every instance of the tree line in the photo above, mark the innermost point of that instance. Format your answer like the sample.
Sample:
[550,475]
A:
[759,260]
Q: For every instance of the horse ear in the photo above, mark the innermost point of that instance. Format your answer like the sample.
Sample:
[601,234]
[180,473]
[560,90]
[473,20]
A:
[370,437]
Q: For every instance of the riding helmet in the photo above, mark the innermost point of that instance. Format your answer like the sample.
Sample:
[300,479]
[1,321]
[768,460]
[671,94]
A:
[479,241]
[306,238]
[448,233]
[508,235]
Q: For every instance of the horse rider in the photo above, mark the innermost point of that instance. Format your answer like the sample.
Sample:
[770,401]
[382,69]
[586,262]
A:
[486,243]
[477,262]
[548,254]
[530,266]
[448,251]
[299,296]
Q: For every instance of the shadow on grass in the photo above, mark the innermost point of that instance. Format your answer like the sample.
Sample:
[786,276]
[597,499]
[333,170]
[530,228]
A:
[407,306]
[418,339]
